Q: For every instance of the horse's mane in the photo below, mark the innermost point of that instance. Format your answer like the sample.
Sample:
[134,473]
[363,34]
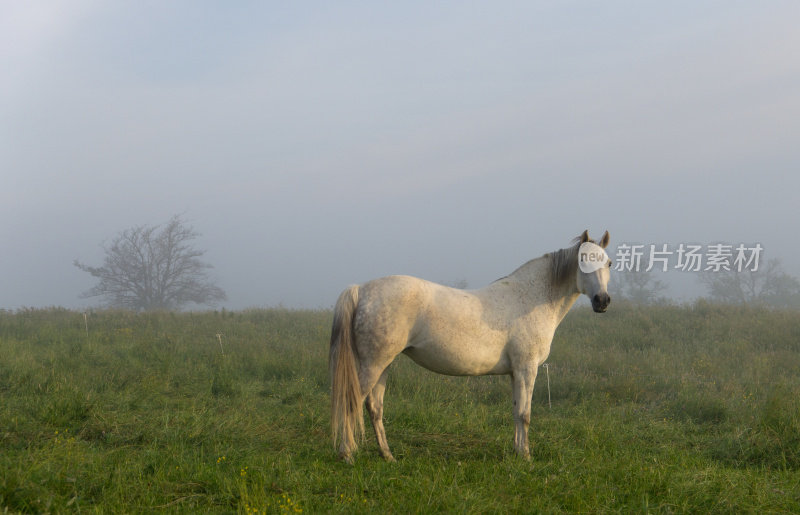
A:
[564,263]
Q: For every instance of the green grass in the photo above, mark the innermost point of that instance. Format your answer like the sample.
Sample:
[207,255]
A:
[665,409]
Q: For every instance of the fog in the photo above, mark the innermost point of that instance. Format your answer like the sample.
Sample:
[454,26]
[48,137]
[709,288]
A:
[315,145]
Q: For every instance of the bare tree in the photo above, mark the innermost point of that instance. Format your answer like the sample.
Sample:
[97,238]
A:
[639,287]
[769,285]
[153,268]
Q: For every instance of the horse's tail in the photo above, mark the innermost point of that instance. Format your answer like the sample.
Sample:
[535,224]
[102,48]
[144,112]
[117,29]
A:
[347,417]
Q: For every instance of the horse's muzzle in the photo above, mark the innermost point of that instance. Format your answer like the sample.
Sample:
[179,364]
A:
[600,302]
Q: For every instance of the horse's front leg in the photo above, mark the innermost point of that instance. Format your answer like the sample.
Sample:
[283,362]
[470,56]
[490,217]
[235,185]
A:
[522,381]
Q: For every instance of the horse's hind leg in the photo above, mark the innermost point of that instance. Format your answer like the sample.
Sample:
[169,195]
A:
[375,408]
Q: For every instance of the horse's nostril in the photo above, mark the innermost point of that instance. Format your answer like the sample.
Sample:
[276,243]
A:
[602,300]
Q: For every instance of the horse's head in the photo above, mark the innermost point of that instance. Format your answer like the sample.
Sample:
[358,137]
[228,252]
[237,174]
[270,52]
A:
[593,271]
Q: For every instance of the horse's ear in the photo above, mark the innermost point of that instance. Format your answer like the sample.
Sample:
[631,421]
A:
[585,236]
[604,241]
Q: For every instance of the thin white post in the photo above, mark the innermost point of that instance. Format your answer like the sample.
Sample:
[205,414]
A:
[547,372]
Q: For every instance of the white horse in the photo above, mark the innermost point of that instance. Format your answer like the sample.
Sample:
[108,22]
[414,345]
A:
[504,328]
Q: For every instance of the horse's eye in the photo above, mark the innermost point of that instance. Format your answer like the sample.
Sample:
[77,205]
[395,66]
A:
[610,263]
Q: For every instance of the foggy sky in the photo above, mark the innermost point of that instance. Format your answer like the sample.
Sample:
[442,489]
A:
[320,145]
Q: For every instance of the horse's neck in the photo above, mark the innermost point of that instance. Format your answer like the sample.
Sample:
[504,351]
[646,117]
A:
[562,304]
[542,291]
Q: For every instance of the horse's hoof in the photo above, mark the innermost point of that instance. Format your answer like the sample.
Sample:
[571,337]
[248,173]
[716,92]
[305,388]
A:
[524,455]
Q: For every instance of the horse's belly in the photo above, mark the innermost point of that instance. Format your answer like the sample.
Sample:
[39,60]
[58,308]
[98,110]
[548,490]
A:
[459,360]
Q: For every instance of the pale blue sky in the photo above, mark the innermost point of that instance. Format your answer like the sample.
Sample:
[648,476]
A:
[320,145]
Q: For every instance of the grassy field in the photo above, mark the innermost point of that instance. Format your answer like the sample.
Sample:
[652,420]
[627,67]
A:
[668,409]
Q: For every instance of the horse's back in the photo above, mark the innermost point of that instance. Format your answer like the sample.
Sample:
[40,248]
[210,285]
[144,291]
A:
[402,300]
